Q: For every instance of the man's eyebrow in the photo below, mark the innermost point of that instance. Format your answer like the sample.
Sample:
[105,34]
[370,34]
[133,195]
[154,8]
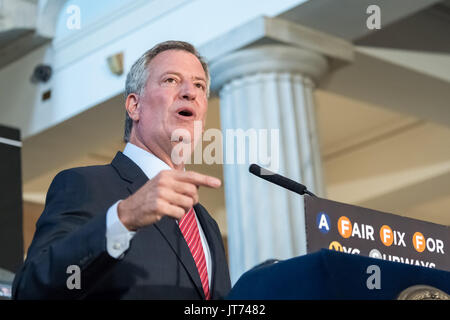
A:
[180,75]
[200,78]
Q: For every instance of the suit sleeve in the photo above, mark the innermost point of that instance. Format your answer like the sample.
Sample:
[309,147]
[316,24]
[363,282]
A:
[70,232]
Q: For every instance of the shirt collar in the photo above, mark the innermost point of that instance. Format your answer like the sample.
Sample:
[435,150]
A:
[148,162]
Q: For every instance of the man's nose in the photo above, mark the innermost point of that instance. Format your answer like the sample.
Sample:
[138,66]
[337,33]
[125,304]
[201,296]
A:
[188,91]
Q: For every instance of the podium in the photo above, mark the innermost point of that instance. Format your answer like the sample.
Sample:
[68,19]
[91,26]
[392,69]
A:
[333,275]
[375,255]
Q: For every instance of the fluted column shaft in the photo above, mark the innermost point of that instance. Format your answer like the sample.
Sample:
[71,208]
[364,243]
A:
[268,90]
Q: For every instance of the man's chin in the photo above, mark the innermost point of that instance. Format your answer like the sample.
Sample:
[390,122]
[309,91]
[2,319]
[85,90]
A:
[181,134]
[181,152]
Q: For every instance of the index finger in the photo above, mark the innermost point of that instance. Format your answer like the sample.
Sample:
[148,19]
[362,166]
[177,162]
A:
[199,179]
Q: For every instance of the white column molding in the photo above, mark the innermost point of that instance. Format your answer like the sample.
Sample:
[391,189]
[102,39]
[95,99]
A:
[269,88]
[48,12]
[25,25]
[17,15]
[268,58]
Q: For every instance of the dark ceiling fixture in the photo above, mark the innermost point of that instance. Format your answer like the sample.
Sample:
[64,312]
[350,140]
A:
[42,73]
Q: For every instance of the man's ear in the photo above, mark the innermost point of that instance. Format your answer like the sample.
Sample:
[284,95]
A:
[132,106]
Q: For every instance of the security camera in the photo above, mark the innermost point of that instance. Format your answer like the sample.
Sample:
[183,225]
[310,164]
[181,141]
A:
[42,73]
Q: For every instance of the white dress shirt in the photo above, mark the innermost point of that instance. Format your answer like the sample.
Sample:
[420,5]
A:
[117,235]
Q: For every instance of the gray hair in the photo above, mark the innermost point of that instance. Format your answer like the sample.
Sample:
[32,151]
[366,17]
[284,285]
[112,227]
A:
[138,75]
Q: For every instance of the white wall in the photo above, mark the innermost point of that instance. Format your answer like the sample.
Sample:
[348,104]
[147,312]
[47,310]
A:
[81,77]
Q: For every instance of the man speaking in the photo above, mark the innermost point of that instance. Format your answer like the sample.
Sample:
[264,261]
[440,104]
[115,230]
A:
[134,229]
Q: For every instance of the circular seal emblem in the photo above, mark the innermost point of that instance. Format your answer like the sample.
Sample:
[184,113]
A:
[422,292]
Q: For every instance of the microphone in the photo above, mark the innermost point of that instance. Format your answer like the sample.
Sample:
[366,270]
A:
[279,180]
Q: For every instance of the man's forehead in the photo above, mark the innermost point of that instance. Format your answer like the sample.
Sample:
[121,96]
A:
[175,60]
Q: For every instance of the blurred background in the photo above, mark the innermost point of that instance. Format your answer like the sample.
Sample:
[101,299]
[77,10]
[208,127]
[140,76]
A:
[379,110]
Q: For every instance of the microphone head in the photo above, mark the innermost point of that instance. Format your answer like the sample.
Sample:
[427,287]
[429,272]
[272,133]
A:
[260,171]
[255,169]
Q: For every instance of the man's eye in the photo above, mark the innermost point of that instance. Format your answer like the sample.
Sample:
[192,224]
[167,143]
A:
[200,86]
[170,80]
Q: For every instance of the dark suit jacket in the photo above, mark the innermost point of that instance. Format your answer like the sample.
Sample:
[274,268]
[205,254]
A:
[72,229]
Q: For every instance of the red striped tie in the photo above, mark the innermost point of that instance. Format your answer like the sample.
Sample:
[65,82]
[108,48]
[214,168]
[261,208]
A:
[189,229]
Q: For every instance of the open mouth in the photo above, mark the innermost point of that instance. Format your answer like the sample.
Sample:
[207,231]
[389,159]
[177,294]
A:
[186,112]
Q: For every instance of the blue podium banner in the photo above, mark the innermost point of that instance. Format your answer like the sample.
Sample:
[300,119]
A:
[356,230]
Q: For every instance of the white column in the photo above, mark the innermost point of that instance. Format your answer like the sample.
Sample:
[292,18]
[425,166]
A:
[268,87]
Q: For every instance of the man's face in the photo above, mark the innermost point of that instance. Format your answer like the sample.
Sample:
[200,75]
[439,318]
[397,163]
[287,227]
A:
[173,98]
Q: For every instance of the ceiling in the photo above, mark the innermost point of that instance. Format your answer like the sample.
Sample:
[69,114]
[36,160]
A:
[347,19]
[426,30]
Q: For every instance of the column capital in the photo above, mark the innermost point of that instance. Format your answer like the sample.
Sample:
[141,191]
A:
[266,59]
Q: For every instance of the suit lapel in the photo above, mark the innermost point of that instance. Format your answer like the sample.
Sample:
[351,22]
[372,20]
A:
[168,228]
[171,232]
